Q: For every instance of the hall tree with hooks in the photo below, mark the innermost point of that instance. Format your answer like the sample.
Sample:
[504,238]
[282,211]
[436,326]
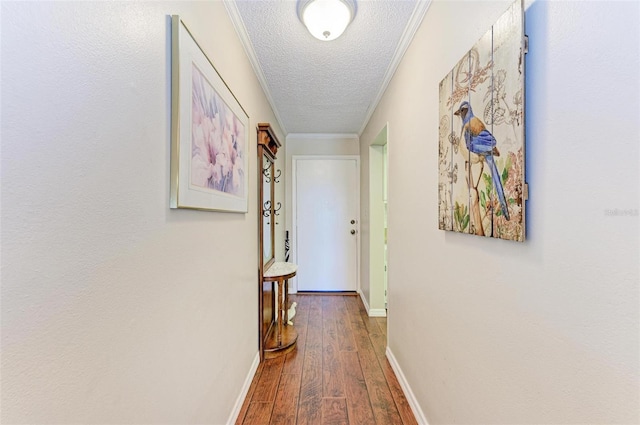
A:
[277,336]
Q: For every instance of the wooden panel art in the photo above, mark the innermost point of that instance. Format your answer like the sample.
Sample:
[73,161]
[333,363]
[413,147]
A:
[481,185]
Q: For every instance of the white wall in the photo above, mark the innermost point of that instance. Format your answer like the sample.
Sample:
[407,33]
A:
[116,309]
[547,331]
[312,144]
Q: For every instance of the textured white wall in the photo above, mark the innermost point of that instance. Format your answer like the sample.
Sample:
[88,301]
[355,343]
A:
[116,309]
[547,331]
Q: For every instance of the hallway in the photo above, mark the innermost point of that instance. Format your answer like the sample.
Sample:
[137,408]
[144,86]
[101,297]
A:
[337,375]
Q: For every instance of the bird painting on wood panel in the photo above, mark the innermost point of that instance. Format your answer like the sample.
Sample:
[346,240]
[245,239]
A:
[482,147]
[481,184]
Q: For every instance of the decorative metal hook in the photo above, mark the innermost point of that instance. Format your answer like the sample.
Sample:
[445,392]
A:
[267,173]
[277,175]
[275,210]
[266,209]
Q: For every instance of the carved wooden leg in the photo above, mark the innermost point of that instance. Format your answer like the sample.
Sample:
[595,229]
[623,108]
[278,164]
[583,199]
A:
[286,302]
[280,311]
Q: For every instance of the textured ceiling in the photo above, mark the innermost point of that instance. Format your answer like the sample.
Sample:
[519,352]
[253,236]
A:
[325,87]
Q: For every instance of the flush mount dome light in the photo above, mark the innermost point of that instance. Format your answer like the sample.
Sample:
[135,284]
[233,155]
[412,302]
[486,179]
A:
[326,19]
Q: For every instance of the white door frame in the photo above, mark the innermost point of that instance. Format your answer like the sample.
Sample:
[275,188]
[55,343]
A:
[376,304]
[293,287]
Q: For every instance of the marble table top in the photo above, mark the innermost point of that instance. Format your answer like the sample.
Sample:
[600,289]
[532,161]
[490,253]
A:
[280,269]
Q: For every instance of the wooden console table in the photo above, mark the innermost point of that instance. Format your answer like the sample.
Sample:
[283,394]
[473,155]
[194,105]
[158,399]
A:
[282,337]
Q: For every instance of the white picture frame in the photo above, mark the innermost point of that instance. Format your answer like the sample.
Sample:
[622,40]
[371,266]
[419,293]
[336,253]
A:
[209,132]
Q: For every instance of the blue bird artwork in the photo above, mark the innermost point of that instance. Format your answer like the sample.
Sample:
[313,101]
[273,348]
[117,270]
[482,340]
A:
[481,135]
[481,143]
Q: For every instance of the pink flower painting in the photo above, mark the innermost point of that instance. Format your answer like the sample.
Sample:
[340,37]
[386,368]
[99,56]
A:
[217,141]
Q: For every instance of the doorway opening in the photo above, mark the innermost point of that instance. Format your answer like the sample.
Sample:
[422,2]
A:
[378,195]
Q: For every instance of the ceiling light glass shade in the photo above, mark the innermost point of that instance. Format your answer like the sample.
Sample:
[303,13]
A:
[326,19]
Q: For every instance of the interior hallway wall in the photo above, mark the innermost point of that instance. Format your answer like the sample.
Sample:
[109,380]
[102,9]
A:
[546,331]
[115,308]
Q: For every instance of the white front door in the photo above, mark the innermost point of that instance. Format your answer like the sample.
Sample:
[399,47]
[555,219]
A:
[326,217]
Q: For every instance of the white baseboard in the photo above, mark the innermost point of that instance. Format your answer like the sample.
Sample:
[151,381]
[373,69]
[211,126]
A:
[411,398]
[377,312]
[245,389]
[364,300]
[372,312]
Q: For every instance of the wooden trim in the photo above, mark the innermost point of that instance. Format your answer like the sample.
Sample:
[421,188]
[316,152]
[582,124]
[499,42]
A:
[268,145]
[278,277]
[268,139]
[274,348]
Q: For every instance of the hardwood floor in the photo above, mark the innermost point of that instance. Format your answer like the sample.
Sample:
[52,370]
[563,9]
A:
[338,374]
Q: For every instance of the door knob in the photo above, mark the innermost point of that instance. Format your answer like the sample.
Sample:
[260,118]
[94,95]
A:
[353,232]
[353,222]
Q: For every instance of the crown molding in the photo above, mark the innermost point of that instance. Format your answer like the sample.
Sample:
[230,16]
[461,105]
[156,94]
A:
[322,136]
[241,30]
[407,36]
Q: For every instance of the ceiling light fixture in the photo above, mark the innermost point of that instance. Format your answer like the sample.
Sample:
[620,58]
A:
[326,19]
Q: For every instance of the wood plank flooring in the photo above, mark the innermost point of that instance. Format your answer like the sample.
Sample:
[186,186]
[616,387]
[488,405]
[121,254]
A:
[338,374]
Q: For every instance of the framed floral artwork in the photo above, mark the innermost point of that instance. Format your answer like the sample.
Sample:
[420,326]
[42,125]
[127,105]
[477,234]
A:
[209,132]
[481,188]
